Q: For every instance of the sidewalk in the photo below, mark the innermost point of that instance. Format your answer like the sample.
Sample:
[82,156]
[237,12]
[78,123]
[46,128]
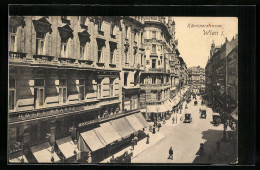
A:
[140,147]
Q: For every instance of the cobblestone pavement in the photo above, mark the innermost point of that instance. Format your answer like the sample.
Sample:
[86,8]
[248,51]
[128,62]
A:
[185,138]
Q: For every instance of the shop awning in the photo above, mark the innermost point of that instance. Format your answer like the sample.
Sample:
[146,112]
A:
[108,133]
[93,140]
[156,108]
[43,154]
[143,110]
[135,123]
[17,157]
[168,105]
[67,147]
[176,100]
[123,127]
[141,119]
[234,114]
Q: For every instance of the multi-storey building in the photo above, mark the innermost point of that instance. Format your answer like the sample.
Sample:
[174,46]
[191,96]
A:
[221,76]
[155,79]
[64,85]
[197,78]
[79,82]
[132,61]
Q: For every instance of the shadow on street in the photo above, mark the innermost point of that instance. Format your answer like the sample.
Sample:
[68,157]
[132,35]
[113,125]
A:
[215,150]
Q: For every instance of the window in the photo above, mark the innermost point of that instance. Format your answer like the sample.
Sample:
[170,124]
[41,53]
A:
[112,28]
[126,32]
[141,38]
[64,17]
[154,48]
[100,53]
[141,59]
[125,79]
[135,37]
[39,92]
[82,20]
[64,48]
[153,63]
[112,50]
[153,80]
[12,38]
[82,51]
[99,25]
[154,34]
[81,89]
[63,91]
[99,89]
[12,94]
[111,87]
[126,58]
[40,43]
[158,96]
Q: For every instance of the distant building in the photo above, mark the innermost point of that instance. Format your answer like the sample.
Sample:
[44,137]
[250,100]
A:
[196,79]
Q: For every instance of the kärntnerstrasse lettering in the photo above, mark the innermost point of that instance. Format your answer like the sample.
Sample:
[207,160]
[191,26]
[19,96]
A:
[190,25]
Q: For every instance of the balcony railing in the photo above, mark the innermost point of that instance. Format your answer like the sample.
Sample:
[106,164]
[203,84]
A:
[85,62]
[113,36]
[157,70]
[43,59]
[16,55]
[101,32]
[66,61]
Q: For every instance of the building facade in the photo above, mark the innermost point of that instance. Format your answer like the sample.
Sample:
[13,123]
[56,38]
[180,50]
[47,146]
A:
[67,76]
[155,79]
[221,76]
[77,79]
[196,79]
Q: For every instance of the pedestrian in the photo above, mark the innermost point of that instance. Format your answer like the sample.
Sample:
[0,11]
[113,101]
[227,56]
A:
[147,138]
[135,139]
[173,119]
[170,153]
[89,158]
[159,126]
[112,160]
[133,144]
[153,129]
[131,152]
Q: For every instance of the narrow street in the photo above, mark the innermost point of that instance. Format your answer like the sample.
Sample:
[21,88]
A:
[185,138]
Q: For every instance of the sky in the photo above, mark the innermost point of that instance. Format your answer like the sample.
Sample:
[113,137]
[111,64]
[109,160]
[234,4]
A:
[194,43]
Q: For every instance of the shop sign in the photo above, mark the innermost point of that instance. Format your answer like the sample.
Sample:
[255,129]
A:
[26,116]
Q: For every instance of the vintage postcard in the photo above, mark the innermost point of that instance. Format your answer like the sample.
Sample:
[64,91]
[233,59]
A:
[123,89]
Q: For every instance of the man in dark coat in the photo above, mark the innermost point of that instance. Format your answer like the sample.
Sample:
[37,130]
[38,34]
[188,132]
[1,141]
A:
[170,153]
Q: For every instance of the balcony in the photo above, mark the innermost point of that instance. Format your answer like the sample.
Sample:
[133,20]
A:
[101,32]
[43,59]
[154,86]
[16,56]
[100,64]
[113,36]
[67,61]
[153,19]
[141,47]
[156,70]
[85,63]
[112,65]
[65,21]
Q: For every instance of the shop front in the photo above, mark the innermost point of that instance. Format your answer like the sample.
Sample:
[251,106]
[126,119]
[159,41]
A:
[67,149]
[157,112]
[44,153]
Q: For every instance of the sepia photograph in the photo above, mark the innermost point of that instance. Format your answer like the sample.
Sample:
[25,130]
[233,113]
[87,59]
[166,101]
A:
[122,90]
